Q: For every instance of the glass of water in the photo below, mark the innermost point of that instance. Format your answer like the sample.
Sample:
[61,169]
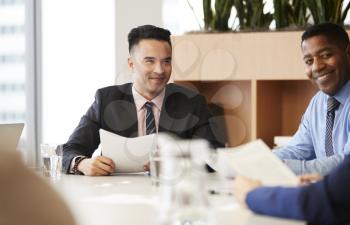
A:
[154,164]
[51,156]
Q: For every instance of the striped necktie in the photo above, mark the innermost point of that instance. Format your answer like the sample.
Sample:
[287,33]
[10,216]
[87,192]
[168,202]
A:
[150,122]
[332,105]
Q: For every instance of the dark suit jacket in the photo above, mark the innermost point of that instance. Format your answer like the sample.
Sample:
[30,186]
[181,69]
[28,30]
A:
[325,202]
[184,113]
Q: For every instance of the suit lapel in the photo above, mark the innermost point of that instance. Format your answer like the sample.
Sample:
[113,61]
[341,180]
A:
[167,113]
[120,114]
[131,113]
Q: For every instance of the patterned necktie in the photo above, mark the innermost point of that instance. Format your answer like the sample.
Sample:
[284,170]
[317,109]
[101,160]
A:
[332,105]
[150,122]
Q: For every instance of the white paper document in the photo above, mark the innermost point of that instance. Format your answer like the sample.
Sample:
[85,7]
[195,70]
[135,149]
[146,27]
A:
[129,154]
[255,160]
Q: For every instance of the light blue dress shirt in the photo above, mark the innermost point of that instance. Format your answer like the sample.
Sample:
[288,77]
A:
[305,152]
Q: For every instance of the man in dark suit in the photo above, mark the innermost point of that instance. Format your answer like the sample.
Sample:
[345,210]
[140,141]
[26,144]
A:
[126,109]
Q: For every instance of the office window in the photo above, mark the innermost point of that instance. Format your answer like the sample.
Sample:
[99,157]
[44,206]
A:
[78,57]
[12,64]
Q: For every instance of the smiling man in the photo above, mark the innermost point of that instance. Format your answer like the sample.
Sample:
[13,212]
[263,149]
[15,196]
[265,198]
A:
[322,140]
[148,105]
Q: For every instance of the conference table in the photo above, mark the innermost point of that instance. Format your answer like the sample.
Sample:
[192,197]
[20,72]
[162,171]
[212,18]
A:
[132,199]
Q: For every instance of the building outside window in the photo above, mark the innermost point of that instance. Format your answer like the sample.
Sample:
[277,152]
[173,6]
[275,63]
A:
[12,63]
[78,57]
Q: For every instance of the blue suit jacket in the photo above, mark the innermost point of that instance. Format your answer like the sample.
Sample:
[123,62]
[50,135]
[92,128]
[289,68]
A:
[324,202]
[184,113]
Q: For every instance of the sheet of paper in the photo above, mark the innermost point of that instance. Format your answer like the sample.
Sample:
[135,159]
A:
[129,154]
[255,160]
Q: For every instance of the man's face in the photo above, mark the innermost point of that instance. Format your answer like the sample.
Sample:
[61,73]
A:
[327,63]
[150,62]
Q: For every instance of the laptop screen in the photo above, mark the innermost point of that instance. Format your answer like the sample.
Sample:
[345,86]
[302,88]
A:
[9,136]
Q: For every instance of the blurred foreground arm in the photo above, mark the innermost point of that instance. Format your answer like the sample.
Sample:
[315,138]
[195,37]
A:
[27,199]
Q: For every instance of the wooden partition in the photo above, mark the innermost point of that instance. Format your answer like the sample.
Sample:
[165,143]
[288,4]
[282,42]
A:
[257,78]
[234,97]
[280,106]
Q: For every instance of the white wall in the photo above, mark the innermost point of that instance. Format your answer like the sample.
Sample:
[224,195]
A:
[129,14]
[78,57]
[84,48]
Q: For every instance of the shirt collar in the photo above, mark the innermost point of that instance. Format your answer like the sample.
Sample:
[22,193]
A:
[140,100]
[343,93]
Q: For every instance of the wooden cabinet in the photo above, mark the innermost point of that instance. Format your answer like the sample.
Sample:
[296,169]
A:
[257,78]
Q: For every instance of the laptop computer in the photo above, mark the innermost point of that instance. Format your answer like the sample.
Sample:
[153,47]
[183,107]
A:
[9,136]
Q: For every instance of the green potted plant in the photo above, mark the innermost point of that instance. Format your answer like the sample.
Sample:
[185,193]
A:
[249,13]
[328,10]
[287,14]
[292,14]
[217,20]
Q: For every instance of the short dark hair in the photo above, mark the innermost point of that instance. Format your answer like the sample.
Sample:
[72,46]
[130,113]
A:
[333,32]
[147,32]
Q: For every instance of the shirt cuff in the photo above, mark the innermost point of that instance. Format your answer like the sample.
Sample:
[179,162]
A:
[295,165]
[72,163]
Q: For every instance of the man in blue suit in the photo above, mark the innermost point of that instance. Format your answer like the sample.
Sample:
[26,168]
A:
[324,202]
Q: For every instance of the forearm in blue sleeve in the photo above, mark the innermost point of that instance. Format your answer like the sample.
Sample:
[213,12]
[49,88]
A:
[310,203]
[325,202]
[321,166]
[276,201]
[316,204]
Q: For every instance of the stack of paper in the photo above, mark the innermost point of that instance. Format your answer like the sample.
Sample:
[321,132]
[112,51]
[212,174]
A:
[128,154]
[255,160]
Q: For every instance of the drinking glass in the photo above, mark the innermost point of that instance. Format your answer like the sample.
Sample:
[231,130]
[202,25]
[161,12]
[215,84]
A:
[51,156]
[154,166]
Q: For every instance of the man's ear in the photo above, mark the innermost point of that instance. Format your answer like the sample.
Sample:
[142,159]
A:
[130,63]
[348,51]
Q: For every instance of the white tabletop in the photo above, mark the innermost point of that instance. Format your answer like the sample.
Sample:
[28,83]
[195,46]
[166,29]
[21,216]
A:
[133,200]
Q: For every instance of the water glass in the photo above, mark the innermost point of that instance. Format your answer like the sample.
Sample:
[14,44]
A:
[51,156]
[184,190]
[154,163]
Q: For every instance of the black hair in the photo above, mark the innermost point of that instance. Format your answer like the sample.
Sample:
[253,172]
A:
[147,32]
[333,32]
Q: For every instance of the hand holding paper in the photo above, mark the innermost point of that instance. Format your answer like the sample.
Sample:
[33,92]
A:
[97,166]
[242,186]
[129,154]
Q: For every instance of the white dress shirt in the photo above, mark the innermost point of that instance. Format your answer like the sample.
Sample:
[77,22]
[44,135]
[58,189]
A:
[141,110]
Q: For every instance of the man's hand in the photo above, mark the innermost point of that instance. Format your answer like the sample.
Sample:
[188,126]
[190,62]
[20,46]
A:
[98,166]
[146,167]
[306,179]
[242,186]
